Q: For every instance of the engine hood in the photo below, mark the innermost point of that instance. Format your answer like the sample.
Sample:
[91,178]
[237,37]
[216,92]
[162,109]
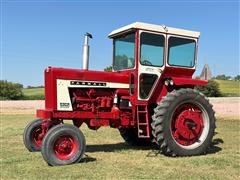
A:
[87,75]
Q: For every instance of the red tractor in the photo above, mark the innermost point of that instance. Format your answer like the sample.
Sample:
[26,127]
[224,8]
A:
[149,97]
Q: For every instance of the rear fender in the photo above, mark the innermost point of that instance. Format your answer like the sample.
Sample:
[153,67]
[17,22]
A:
[188,81]
[179,82]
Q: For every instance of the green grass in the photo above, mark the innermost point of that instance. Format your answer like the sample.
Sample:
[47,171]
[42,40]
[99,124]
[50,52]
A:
[33,93]
[229,88]
[109,158]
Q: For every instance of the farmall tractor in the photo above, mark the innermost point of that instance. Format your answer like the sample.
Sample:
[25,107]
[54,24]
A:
[149,97]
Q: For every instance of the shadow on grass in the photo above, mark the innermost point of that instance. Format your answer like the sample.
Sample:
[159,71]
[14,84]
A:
[86,158]
[214,148]
[116,147]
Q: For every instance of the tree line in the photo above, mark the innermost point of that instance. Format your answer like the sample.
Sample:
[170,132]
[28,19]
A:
[224,77]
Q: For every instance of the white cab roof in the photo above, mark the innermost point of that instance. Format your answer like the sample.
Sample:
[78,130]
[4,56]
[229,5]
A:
[156,28]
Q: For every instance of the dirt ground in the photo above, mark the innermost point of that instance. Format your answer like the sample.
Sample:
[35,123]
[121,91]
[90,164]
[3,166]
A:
[224,106]
[21,107]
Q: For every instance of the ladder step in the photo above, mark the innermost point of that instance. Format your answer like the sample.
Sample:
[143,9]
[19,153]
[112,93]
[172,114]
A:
[142,123]
[143,136]
[142,111]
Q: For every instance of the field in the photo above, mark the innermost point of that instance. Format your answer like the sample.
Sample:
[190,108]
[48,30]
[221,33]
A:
[33,93]
[107,157]
[229,88]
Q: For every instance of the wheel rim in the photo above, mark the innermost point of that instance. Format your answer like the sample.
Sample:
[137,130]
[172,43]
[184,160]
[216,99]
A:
[36,136]
[65,147]
[190,125]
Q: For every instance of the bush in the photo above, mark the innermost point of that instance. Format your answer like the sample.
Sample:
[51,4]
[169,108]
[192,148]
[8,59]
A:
[210,90]
[237,78]
[10,90]
[108,69]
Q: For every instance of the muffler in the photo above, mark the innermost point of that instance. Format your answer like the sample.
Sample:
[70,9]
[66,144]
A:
[86,51]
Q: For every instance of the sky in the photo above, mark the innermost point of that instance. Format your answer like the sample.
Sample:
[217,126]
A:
[38,34]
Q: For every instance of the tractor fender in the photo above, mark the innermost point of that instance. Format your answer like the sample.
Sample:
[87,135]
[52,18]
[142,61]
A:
[179,81]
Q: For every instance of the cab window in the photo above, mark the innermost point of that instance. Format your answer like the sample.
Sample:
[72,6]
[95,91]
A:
[124,52]
[152,49]
[181,52]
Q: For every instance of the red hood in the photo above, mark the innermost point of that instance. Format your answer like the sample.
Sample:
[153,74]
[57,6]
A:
[52,74]
[88,75]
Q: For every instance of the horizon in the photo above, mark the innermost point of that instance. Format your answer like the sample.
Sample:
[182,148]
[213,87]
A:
[35,35]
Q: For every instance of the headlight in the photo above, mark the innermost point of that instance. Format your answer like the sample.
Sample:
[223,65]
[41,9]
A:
[166,82]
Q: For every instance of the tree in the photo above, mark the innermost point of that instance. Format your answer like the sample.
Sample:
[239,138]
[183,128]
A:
[10,90]
[210,90]
[32,87]
[237,78]
[108,69]
[223,77]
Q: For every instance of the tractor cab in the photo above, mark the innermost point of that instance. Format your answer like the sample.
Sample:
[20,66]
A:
[147,50]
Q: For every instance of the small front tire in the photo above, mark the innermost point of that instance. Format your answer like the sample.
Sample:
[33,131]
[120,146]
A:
[32,135]
[63,144]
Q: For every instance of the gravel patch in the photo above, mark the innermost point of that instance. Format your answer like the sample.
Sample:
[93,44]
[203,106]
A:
[224,106]
[21,107]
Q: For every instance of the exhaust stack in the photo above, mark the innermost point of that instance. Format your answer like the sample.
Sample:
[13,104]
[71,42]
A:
[86,51]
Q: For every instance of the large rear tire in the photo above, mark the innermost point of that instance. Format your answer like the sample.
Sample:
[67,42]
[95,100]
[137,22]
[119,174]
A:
[32,135]
[63,144]
[183,123]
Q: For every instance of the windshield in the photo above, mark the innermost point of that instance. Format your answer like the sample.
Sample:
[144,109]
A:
[124,52]
[152,49]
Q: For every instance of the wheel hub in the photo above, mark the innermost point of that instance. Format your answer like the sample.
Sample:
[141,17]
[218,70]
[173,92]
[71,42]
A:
[187,125]
[37,138]
[65,147]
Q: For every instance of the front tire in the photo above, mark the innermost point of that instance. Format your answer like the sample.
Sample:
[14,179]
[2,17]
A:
[32,135]
[183,123]
[63,144]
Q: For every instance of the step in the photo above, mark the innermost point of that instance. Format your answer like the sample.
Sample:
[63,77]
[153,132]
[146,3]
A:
[143,131]
[142,111]
[143,123]
[143,136]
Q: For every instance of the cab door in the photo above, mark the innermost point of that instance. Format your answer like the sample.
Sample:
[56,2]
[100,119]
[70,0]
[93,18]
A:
[151,62]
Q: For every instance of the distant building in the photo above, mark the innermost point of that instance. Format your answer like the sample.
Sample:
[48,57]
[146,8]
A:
[206,73]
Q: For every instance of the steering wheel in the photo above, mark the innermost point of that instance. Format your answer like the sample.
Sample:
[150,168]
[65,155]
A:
[146,62]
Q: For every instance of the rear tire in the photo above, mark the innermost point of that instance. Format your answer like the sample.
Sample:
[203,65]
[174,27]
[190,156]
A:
[130,136]
[183,123]
[31,133]
[63,144]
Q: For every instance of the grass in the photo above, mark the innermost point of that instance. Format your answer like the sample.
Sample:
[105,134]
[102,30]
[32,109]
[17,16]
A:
[33,93]
[107,157]
[229,88]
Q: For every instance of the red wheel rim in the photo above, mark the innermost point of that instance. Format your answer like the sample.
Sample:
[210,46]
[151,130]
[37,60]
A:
[65,147]
[37,137]
[187,124]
